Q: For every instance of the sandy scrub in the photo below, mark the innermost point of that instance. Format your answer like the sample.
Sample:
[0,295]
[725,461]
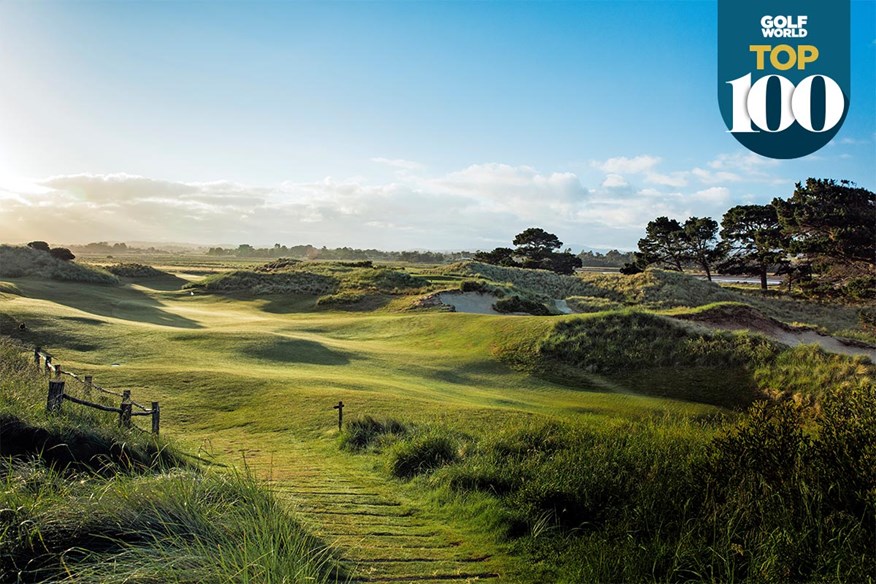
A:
[786,334]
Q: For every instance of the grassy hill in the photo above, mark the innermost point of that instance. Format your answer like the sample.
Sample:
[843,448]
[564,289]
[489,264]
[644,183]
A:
[339,285]
[17,261]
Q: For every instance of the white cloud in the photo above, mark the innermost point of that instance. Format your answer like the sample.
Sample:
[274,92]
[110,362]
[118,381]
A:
[713,195]
[482,205]
[854,141]
[674,179]
[624,165]
[614,181]
[743,161]
[715,176]
[399,163]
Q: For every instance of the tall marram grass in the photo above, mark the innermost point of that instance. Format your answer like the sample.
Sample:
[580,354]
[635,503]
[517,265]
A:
[658,355]
[781,494]
[17,261]
[169,526]
[121,506]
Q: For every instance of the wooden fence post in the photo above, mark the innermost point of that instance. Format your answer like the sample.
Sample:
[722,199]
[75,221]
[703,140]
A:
[156,418]
[88,382]
[56,396]
[36,357]
[58,371]
[48,364]
[340,408]
[125,413]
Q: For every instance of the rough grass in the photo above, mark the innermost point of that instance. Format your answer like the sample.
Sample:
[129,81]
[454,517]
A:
[655,355]
[134,270]
[367,432]
[592,304]
[657,289]
[258,283]
[780,494]
[167,526]
[338,283]
[17,261]
[542,284]
[424,452]
[79,437]
[806,374]
[85,501]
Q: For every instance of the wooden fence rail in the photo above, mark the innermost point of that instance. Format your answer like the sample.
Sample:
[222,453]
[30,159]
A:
[57,395]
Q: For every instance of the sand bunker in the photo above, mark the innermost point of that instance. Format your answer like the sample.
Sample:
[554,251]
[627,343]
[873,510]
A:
[746,318]
[472,302]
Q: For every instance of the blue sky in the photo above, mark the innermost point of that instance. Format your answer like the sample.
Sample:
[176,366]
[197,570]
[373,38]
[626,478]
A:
[440,125]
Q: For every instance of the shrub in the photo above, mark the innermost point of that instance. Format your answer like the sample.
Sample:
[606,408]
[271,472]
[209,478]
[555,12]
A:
[134,270]
[861,288]
[63,254]
[518,304]
[481,287]
[345,299]
[39,246]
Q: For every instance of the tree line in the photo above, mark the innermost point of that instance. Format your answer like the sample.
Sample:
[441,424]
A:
[823,238]
[309,252]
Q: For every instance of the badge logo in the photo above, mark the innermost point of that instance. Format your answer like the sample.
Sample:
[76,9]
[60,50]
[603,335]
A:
[784,78]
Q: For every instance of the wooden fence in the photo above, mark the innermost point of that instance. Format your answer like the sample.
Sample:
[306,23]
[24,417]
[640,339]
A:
[57,395]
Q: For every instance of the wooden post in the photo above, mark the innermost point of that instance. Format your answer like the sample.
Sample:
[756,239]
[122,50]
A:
[88,382]
[340,408]
[156,417]
[48,364]
[36,357]
[57,371]
[56,396]
[125,407]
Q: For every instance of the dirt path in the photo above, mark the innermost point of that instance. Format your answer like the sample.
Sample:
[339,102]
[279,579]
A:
[380,536]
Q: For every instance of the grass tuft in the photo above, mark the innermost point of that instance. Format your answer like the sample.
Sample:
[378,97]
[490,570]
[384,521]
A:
[422,453]
[367,432]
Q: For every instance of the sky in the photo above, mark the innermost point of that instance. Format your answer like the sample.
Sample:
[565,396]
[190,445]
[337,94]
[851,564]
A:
[392,125]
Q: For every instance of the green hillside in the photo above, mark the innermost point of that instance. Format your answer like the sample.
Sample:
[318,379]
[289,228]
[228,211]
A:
[480,424]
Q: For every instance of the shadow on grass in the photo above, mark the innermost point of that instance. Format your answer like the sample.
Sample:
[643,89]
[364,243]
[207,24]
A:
[295,351]
[286,303]
[122,302]
[47,331]
[164,283]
